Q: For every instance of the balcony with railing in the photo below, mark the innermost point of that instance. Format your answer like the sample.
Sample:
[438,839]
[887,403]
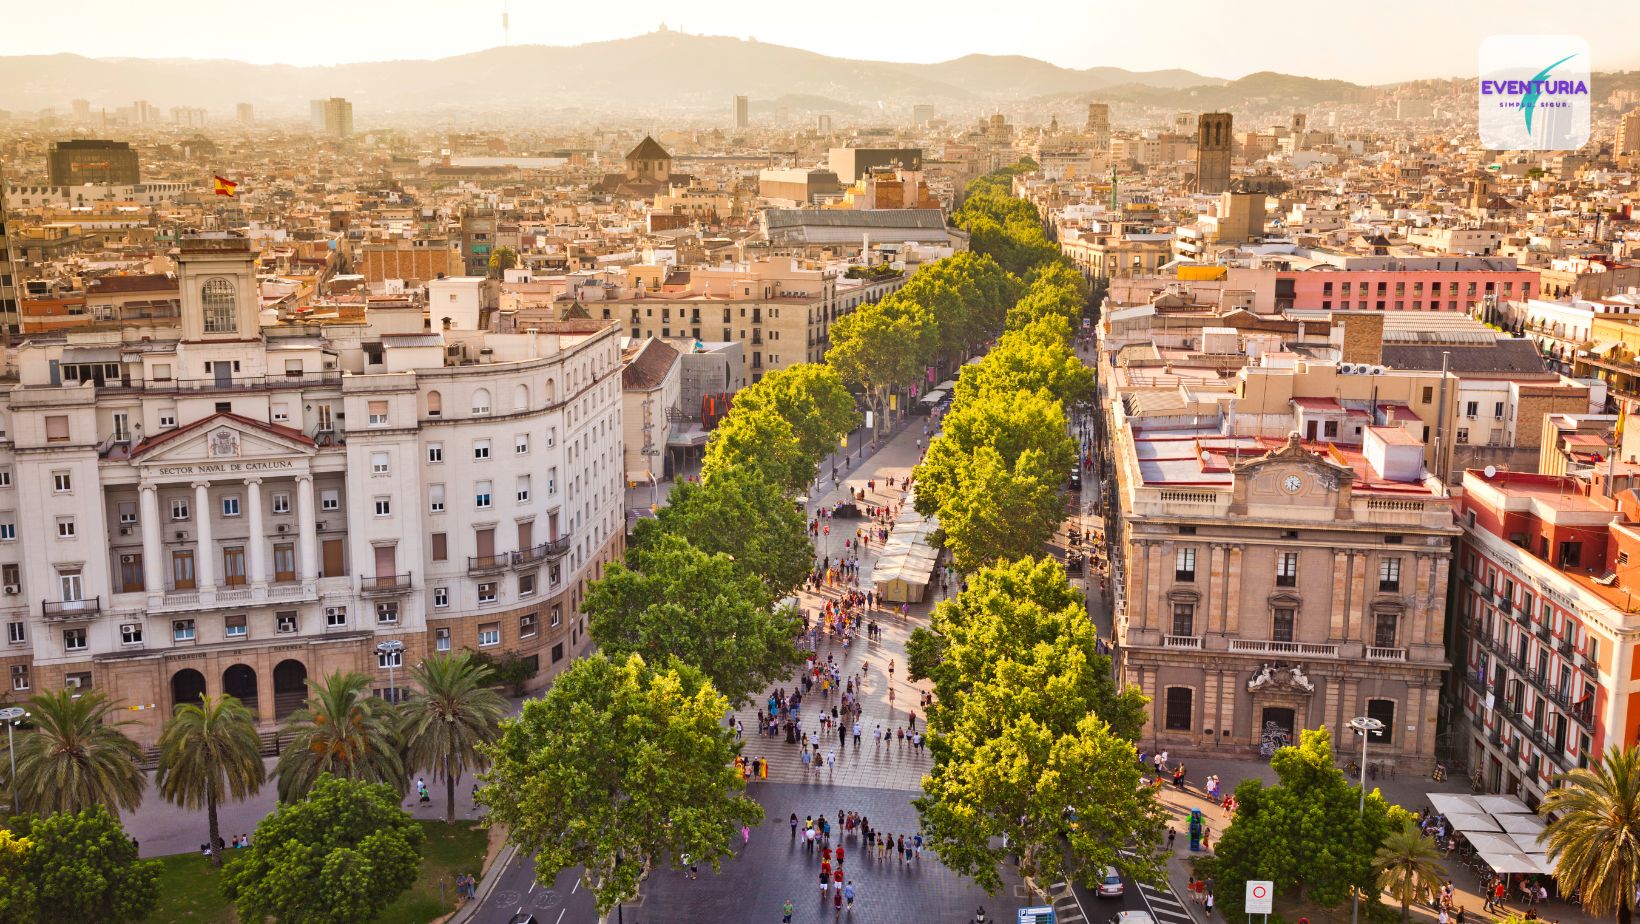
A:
[488,564]
[553,548]
[1376,653]
[1190,642]
[1293,649]
[71,609]
[381,585]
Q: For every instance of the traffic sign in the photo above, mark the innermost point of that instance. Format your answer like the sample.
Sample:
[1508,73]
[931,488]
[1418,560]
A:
[1261,896]
[1040,914]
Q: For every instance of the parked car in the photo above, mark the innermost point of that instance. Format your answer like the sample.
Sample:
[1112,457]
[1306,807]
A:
[1111,886]
[1132,917]
[522,918]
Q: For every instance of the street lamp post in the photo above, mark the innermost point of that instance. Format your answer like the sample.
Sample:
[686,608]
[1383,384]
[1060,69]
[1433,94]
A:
[1366,727]
[388,650]
[10,715]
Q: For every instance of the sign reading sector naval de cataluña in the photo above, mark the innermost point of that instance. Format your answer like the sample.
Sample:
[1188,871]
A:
[1533,93]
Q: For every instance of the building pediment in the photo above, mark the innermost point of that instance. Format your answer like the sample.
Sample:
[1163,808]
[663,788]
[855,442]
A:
[1293,453]
[223,444]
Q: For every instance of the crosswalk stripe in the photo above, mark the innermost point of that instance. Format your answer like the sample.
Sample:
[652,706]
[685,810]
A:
[1181,915]
[1069,917]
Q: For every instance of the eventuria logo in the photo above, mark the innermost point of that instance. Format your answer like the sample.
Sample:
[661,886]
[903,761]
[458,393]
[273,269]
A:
[1520,109]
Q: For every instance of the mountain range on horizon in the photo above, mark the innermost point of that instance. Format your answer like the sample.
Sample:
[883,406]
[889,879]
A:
[663,71]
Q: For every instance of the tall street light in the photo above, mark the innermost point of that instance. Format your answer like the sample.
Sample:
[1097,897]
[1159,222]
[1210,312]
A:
[10,716]
[1366,727]
[390,651]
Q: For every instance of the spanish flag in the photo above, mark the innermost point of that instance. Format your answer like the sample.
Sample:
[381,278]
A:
[225,186]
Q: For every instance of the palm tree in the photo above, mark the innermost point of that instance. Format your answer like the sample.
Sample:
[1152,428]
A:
[209,752]
[452,713]
[75,757]
[344,731]
[1408,866]
[1594,839]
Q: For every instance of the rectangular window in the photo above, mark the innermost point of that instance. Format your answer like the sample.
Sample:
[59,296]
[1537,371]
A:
[79,680]
[523,488]
[73,639]
[558,652]
[62,483]
[387,613]
[179,509]
[57,429]
[384,507]
[489,635]
[441,639]
[557,618]
[167,421]
[481,494]
[1180,708]
[1429,394]
[128,513]
[526,626]
[378,413]
[441,547]
[435,498]
[281,502]
[1184,619]
[486,592]
[387,659]
[1389,575]
[1383,630]
[378,463]
[1281,625]
[335,616]
[435,453]
[481,449]
[280,413]
[131,633]
[230,505]
[286,623]
[1287,569]
[330,499]
[526,584]
[16,633]
[441,597]
[19,678]
[5,477]
[8,532]
[65,528]
[1184,564]
[234,626]
[521,444]
[182,630]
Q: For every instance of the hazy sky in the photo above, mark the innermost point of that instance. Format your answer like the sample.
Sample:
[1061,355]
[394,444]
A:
[1375,42]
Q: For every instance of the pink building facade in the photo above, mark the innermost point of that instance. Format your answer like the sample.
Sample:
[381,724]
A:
[1401,290]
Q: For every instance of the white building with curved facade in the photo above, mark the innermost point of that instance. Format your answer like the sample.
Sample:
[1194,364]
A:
[236,506]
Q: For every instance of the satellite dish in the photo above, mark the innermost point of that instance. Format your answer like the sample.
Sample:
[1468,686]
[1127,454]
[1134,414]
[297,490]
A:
[1491,471]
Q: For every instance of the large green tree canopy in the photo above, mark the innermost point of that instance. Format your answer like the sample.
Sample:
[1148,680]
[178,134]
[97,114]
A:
[619,766]
[672,599]
[1306,833]
[811,398]
[338,856]
[739,513]
[758,439]
[81,866]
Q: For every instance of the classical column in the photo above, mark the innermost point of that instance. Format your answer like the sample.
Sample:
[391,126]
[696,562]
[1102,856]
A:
[1232,590]
[205,554]
[1210,575]
[306,530]
[153,545]
[1338,628]
[1359,600]
[1138,576]
[256,548]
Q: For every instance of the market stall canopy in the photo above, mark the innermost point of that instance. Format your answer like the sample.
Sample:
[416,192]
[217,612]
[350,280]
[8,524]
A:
[1513,863]
[1492,843]
[1520,824]
[1450,804]
[1462,821]
[1502,805]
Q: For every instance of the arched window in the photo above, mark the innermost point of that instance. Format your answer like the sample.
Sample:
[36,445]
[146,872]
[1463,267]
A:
[218,300]
[521,398]
[481,402]
[435,404]
[552,391]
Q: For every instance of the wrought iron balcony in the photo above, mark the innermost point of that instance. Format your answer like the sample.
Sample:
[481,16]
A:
[71,609]
[383,584]
[486,564]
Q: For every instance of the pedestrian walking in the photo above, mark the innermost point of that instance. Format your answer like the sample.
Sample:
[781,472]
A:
[745,835]
[1171,834]
[794,826]
[857,735]
[786,912]
[1208,904]
[848,894]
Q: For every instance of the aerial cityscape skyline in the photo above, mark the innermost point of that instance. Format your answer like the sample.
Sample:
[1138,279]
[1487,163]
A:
[492,481]
[1087,34]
